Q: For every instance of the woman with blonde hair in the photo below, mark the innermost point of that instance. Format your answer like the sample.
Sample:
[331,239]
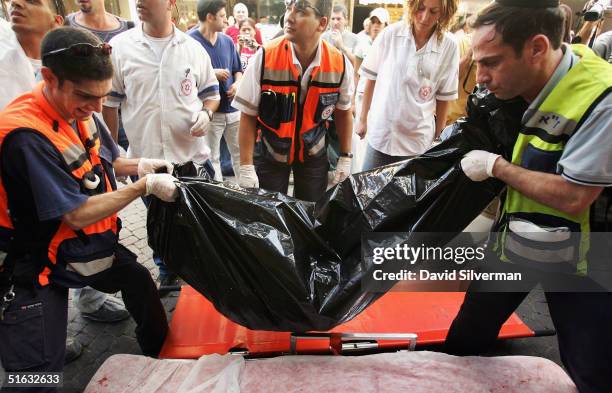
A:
[412,74]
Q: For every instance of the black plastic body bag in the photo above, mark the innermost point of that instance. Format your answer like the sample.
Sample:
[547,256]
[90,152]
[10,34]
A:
[271,262]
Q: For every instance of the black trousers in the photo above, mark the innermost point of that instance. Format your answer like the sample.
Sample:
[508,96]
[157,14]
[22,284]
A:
[583,321]
[309,177]
[33,332]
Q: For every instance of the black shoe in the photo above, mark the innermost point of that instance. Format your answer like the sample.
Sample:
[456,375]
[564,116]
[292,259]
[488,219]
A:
[73,350]
[112,310]
[168,283]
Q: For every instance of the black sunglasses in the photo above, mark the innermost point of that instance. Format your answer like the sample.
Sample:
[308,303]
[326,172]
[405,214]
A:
[82,49]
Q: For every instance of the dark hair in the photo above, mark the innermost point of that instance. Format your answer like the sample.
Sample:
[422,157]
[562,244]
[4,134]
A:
[323,6]
[206,7]
[250,21]
[66,66]
[58,7]
[516,25]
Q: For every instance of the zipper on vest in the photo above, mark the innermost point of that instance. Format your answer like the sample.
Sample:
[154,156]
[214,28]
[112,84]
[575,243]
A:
[298,122]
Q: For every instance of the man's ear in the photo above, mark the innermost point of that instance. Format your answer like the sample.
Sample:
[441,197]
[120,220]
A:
[49,77]
[539,46]
[323,22]
[58,21]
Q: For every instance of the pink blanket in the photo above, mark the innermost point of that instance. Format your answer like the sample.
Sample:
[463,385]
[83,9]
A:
[427,372]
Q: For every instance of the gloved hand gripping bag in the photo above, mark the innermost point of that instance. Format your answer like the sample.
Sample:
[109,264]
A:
[268,261]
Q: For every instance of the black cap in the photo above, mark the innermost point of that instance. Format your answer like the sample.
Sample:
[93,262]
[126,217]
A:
[529,3]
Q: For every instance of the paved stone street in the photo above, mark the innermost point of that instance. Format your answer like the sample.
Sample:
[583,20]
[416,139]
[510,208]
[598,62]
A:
[103,340]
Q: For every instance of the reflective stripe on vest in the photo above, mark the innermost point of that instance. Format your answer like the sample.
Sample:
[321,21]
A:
[539,147]
[80,154]
[281,118]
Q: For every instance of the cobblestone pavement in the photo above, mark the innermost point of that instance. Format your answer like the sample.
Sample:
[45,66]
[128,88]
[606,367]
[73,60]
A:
[101,340]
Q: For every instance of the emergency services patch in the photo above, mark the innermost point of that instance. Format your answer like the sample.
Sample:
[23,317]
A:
[327,112]
[186,87]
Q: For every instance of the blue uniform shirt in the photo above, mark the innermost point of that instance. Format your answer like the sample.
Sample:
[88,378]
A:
[39,189]
[222,55]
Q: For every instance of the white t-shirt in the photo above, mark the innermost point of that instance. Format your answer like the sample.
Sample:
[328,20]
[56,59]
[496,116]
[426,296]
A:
[158,44]
[159,98]
[36,66]
[17,72]
[408,83]
[248,94]
[349,39]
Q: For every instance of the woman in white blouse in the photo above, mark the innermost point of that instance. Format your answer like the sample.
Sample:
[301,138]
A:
[412,74]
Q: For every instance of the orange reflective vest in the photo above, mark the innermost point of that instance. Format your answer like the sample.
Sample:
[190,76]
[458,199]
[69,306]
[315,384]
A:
[74,253]
[288,129]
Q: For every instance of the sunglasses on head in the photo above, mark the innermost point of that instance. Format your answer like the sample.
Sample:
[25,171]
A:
[82,49]
[302,5]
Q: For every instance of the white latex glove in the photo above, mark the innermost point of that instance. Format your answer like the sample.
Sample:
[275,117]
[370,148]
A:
[343,169]
[163,186]
[200,124]
[150,165]
[248,177]
[478,164]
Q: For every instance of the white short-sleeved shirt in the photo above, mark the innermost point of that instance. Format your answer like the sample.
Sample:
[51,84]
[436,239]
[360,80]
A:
[361,52]
[17,71]
[349,39]
[158,99]
[248,94]
[408,83]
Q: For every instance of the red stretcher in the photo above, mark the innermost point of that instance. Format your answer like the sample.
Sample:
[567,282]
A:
[398,320]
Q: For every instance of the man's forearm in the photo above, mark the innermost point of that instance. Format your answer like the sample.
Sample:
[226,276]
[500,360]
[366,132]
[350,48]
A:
[246,138]
[213,105]
[111,118]
[349,55]
[358,63]
[126,166]
[344,128]
[367,99]
[441,114]
[546,188]
[101,206]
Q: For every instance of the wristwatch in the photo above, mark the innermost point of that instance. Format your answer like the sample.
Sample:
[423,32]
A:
[208,112]
[349,155]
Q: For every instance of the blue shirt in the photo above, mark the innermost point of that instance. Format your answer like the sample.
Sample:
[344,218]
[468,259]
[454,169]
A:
[223,54]
[40,191]
[42,187]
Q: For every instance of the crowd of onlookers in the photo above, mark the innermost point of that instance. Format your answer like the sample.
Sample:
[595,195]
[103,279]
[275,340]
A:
[173,93]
